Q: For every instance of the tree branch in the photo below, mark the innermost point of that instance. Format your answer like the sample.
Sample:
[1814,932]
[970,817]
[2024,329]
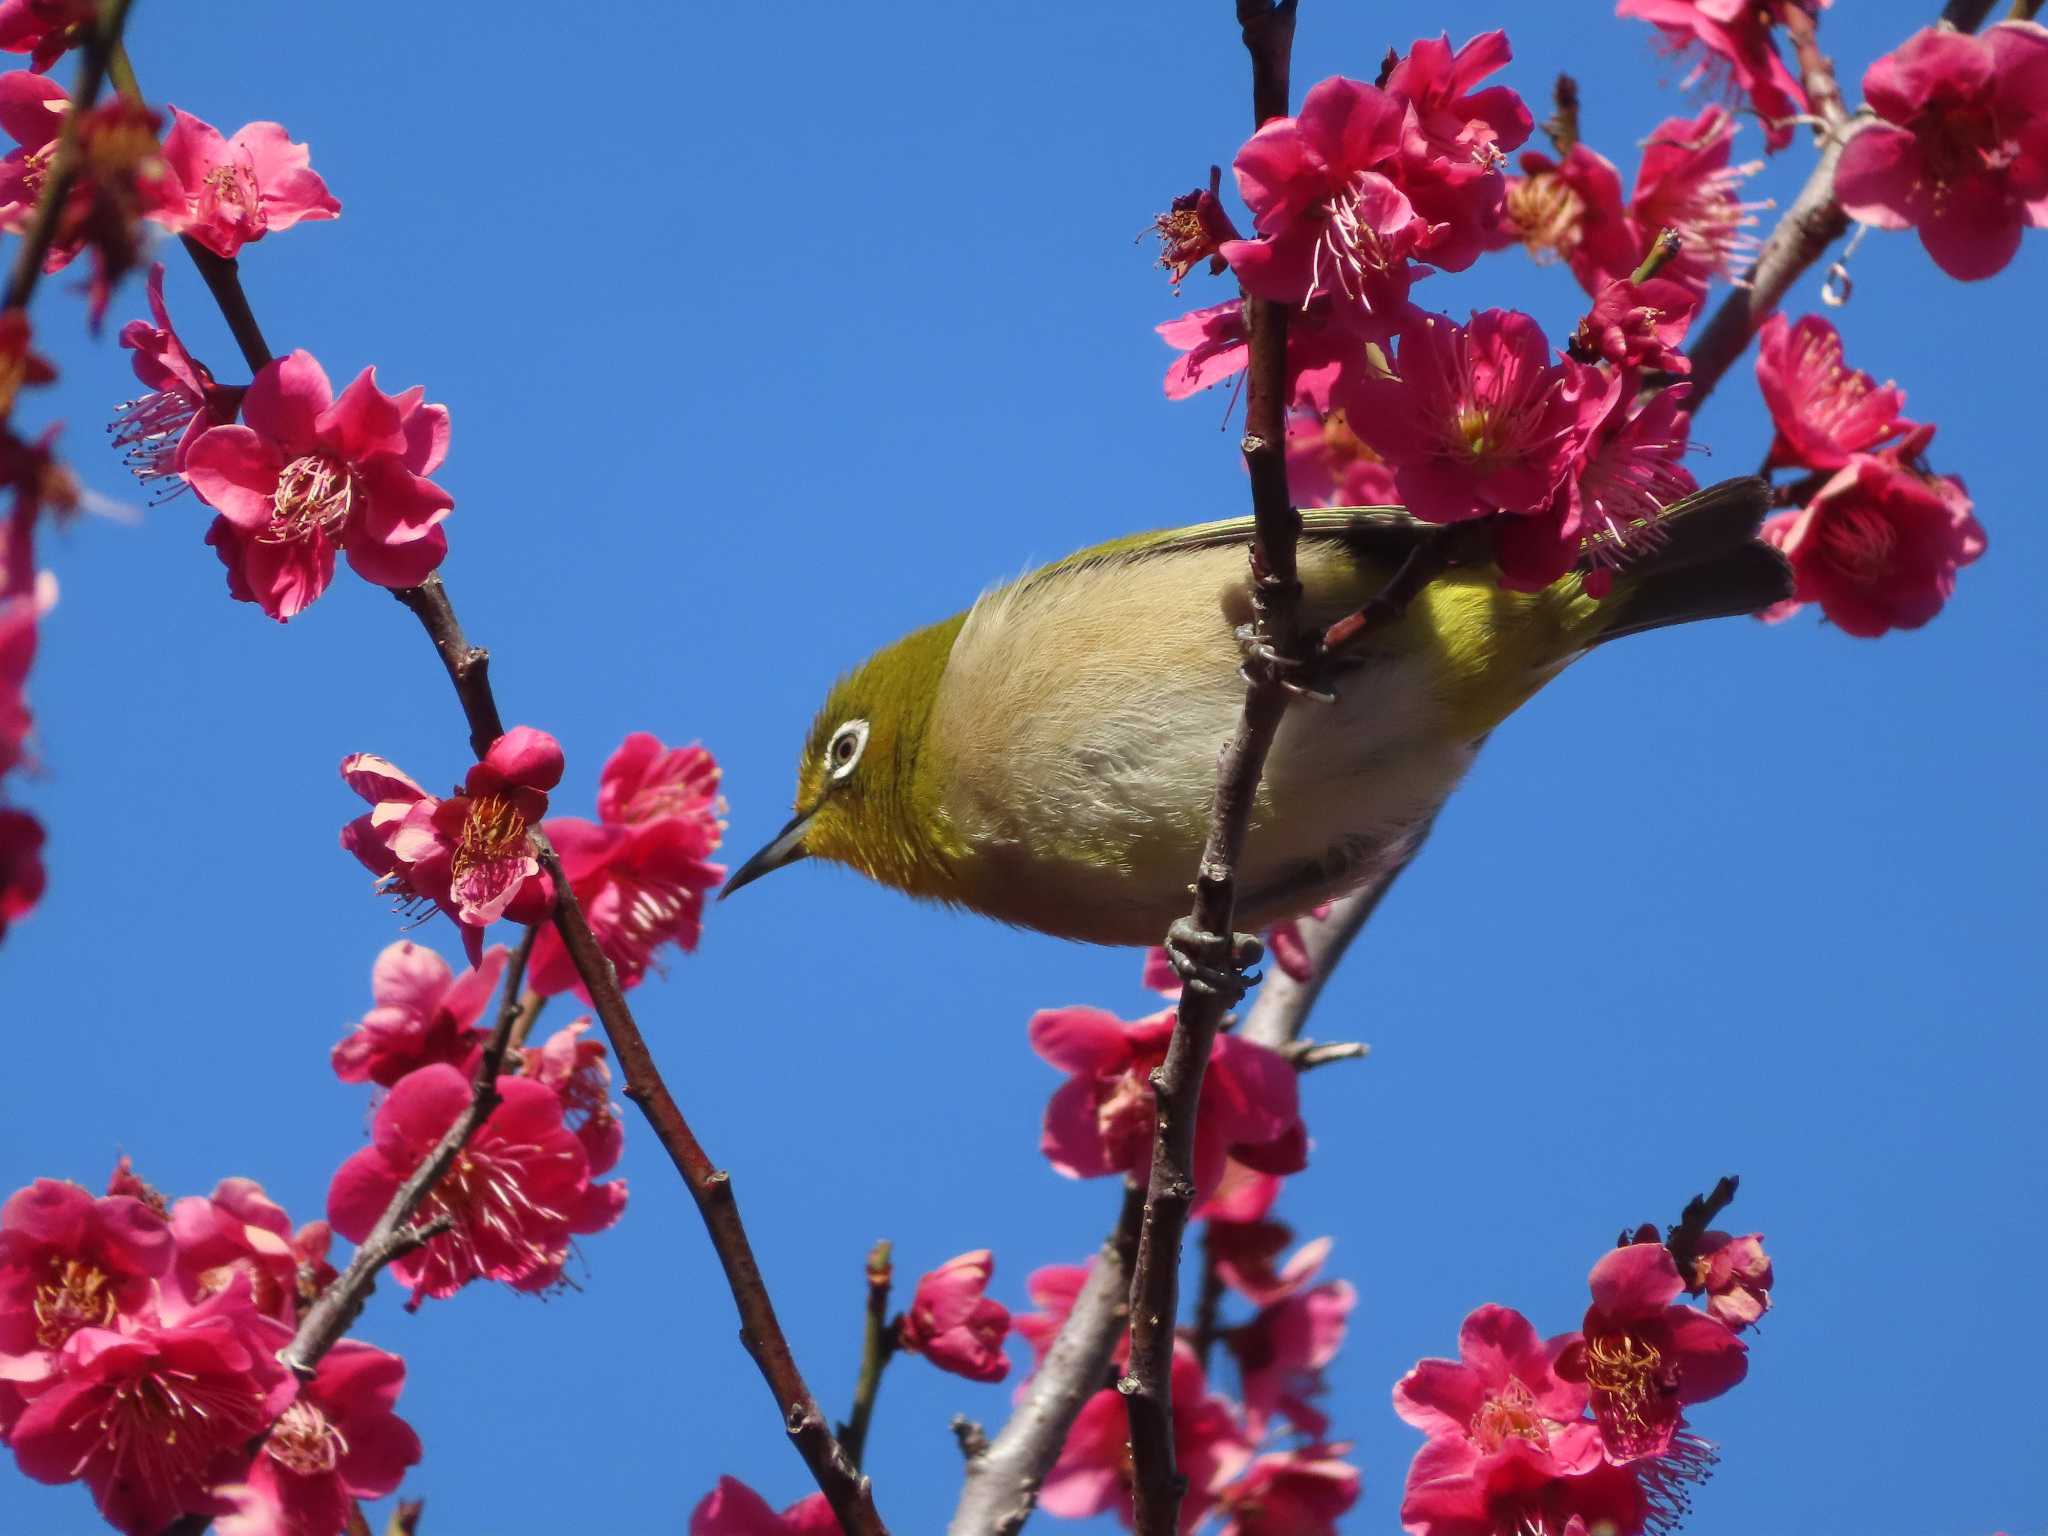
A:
[1268,32]
[1003,1478]
[469,666]
[1966,15]
[223,277]
[41,233]
[877,1345]
[1816,70]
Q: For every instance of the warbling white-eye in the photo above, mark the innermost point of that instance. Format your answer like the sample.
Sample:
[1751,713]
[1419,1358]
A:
[1048,757]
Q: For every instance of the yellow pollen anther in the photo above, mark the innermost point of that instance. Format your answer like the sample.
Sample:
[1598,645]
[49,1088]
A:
[76,1296]
[492,830]
[1622,1372]
[313,495]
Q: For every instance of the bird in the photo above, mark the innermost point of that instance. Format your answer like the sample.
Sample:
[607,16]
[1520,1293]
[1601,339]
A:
[1048,757]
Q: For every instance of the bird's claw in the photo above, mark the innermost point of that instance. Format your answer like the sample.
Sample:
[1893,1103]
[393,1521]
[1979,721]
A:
[1212,963]
[1298,676]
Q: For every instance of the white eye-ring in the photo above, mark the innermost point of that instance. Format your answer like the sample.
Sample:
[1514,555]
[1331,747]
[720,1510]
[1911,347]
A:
[842,756]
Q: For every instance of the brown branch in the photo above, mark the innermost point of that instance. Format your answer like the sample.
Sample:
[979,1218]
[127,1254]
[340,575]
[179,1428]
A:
[1307,1055]
[469,666]
[1966,15]
[1279,646]
[1684,1239]
[1562,126]
[1209,1300]
[878,1343]
[1003,1477]
[223,277]
[41,233]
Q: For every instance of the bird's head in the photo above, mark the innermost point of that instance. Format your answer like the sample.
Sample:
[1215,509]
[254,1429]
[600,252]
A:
[866,785]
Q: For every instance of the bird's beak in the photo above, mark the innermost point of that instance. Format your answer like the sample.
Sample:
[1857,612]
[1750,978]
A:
[786,848]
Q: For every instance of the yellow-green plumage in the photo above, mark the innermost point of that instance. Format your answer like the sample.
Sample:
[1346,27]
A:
[1048,757]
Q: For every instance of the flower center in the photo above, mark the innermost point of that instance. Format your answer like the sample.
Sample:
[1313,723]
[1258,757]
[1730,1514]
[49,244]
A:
[1123,1117]
[1625,1376]
[491,833]
[1510,1414]
[77,1295]
[302,1441]
[233,190]
[1860,542]
[1351,243]
[313,497]
[1547,213]
[165,1430]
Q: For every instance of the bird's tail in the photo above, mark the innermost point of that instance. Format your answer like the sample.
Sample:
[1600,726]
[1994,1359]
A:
[1708,564]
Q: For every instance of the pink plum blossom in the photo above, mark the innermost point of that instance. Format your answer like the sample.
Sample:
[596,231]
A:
[1100,1120]
[155,430]
[573,1065]
[469,854]
[308,474]
[1503,1385]
[1479,126]
[1331,217]
[44,29]
[21,864]
[518,1193]
[1642,1358]
[641,872]
[237,1231]
[1474,419]
[1215,346]
[423,1013]
[154,1418]
[1283,1351]
[1735,1274]
[1327,466]
[1242,1193]
[1571,210]
[1567,1488]
[954,1323]
[1630,469]
[71,1261]
[1878,547]
[1731,46]
[1960,152]
[1243,1253]
[237,190]
[1638,326]
[1093,1473]
[1823,409]
[1192,229]
[1054,1288]
[339,1441]
[734,1509]
[1292,1493]
[1686,183]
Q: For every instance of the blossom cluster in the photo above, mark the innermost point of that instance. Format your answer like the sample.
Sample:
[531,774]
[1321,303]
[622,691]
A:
[1585,1431]
[139,1348]
[1574,452]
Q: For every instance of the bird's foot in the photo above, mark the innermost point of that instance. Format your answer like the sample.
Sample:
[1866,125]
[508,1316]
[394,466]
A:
[1299,676]
[1212,962]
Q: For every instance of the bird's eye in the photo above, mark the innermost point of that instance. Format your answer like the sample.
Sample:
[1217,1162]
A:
[848,742]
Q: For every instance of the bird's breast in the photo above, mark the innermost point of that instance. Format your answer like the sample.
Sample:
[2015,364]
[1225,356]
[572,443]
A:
[1079,722]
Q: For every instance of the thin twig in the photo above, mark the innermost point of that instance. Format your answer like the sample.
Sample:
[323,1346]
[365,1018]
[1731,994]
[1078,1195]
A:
[64,160]
[1307,1055]
[972,1438]
[1208,1300]
[1157,1485]
[223,276]
[1002,1481]
[1562,126]
[1966,15]
[876,1346]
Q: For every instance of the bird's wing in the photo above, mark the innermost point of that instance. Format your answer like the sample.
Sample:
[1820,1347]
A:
[1383,534]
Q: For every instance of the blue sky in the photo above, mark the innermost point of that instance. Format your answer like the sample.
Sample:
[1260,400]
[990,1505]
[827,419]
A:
[770,337]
